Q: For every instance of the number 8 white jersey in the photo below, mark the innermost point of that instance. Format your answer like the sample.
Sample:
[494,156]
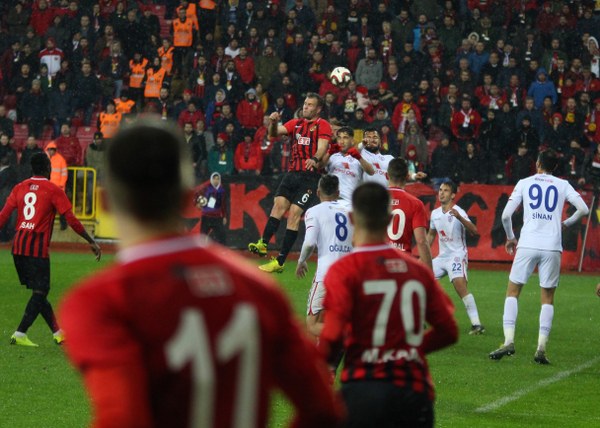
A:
[543,197]
[328,227]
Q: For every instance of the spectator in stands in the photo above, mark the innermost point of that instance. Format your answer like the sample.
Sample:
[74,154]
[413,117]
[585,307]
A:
[69,147]
[220,157]
[244,65]
[197,148]
[470,166]
[18,19]
[51,56]
[6,124]
[591,170]
[248,157]
[369,70]
[94,158]
[58,175]
[31,148]
[34,106]
[542,88]
[414,137]
[520,165]
[226,118]
[443,163]
[61,106]
[113,70]
[555,136]
[466,122]
[8,180]
[572,163]
[149,22]
[6,150]
[109,120]
[249,112]
[86,89]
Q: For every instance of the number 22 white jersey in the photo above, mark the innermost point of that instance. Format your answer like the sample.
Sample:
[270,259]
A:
[543,197]
[451,232]
[328,227]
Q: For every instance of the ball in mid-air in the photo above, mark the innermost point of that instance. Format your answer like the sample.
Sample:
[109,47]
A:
[340,76]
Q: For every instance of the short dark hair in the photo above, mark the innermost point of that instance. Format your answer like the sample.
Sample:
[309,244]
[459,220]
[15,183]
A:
[371,206]
[148,171]
[346,130]
[548,160]
[371,129]
[319,98]
[329,185]
[453,186]
[40,164]
[398,170]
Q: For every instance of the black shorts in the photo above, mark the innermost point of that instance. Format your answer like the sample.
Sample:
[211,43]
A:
[300,188]
[384,405]
[34,272]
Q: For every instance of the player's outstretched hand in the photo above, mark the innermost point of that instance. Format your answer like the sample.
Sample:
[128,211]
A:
[301,270]
[354,153]
[510,246]
[453,212]
[96,250]
[598,289]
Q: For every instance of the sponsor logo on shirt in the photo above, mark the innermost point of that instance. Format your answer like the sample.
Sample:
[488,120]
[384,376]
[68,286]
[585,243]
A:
[395,265]
[303,141]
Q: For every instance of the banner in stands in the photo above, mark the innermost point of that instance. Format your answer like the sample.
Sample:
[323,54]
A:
[250,200]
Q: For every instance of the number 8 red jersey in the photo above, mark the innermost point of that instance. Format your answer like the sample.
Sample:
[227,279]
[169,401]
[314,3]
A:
[37,201]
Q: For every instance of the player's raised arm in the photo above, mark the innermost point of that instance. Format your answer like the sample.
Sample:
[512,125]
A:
[364,164]
[431,236]
[275,130]
[423,246]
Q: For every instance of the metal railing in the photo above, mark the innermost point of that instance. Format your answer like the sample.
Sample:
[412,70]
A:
[81,189]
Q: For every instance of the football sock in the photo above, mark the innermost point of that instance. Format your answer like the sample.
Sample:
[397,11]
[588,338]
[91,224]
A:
[471,308]
[48,315]
[509,320]
[288,242]
[546,315]
[19,334]
[32,310]
[270,229]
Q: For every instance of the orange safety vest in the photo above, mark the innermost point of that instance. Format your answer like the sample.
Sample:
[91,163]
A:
[59,173]
[138,71]
[183,33]
[207,4]
[109,123]
[166,58]
[190,14]
[123,107]
[154,81]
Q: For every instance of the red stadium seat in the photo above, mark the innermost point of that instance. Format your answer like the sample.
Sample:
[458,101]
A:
[21,131]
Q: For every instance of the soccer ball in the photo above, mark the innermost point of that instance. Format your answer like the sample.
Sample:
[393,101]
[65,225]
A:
[340,76]
[201,201]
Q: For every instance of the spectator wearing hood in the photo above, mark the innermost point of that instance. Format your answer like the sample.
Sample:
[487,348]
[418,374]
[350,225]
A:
[541,88]
[220,157]
[249,111]
[211,199]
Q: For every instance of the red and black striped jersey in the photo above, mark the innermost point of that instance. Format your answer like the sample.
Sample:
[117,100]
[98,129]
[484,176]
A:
[378,300]
[37,201]
[305,136]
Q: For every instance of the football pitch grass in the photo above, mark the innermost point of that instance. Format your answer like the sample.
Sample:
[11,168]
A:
[38,388]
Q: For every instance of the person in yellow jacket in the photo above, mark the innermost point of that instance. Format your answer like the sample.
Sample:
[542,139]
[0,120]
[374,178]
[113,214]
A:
[58,174]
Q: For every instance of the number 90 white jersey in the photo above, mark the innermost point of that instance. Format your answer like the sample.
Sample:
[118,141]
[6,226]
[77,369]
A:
[328,227]
[543,197]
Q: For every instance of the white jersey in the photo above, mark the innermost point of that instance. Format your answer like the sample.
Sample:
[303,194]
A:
[451,232]
[543,197]
[348,171]
[380,165]
[328,227]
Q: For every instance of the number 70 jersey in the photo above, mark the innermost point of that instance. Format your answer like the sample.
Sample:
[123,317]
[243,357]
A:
[543,197]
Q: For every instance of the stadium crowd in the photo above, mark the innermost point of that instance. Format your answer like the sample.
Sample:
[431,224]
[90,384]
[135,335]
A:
[466,89]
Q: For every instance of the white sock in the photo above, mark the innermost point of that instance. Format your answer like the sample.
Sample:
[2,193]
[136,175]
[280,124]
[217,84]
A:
[509,320]
[546,316]
[19,334]
[57,332]
[471,308]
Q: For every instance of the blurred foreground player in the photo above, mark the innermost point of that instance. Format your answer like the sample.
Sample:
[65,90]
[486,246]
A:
[180,332]
[37,201]
[377,302]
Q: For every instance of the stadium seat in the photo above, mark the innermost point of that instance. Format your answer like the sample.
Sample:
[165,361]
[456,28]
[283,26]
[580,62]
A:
[21,131]
[85,134]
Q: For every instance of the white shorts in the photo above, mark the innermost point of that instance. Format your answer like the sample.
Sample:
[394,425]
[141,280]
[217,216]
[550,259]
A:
[316,296]
[527,259]
[454,267]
